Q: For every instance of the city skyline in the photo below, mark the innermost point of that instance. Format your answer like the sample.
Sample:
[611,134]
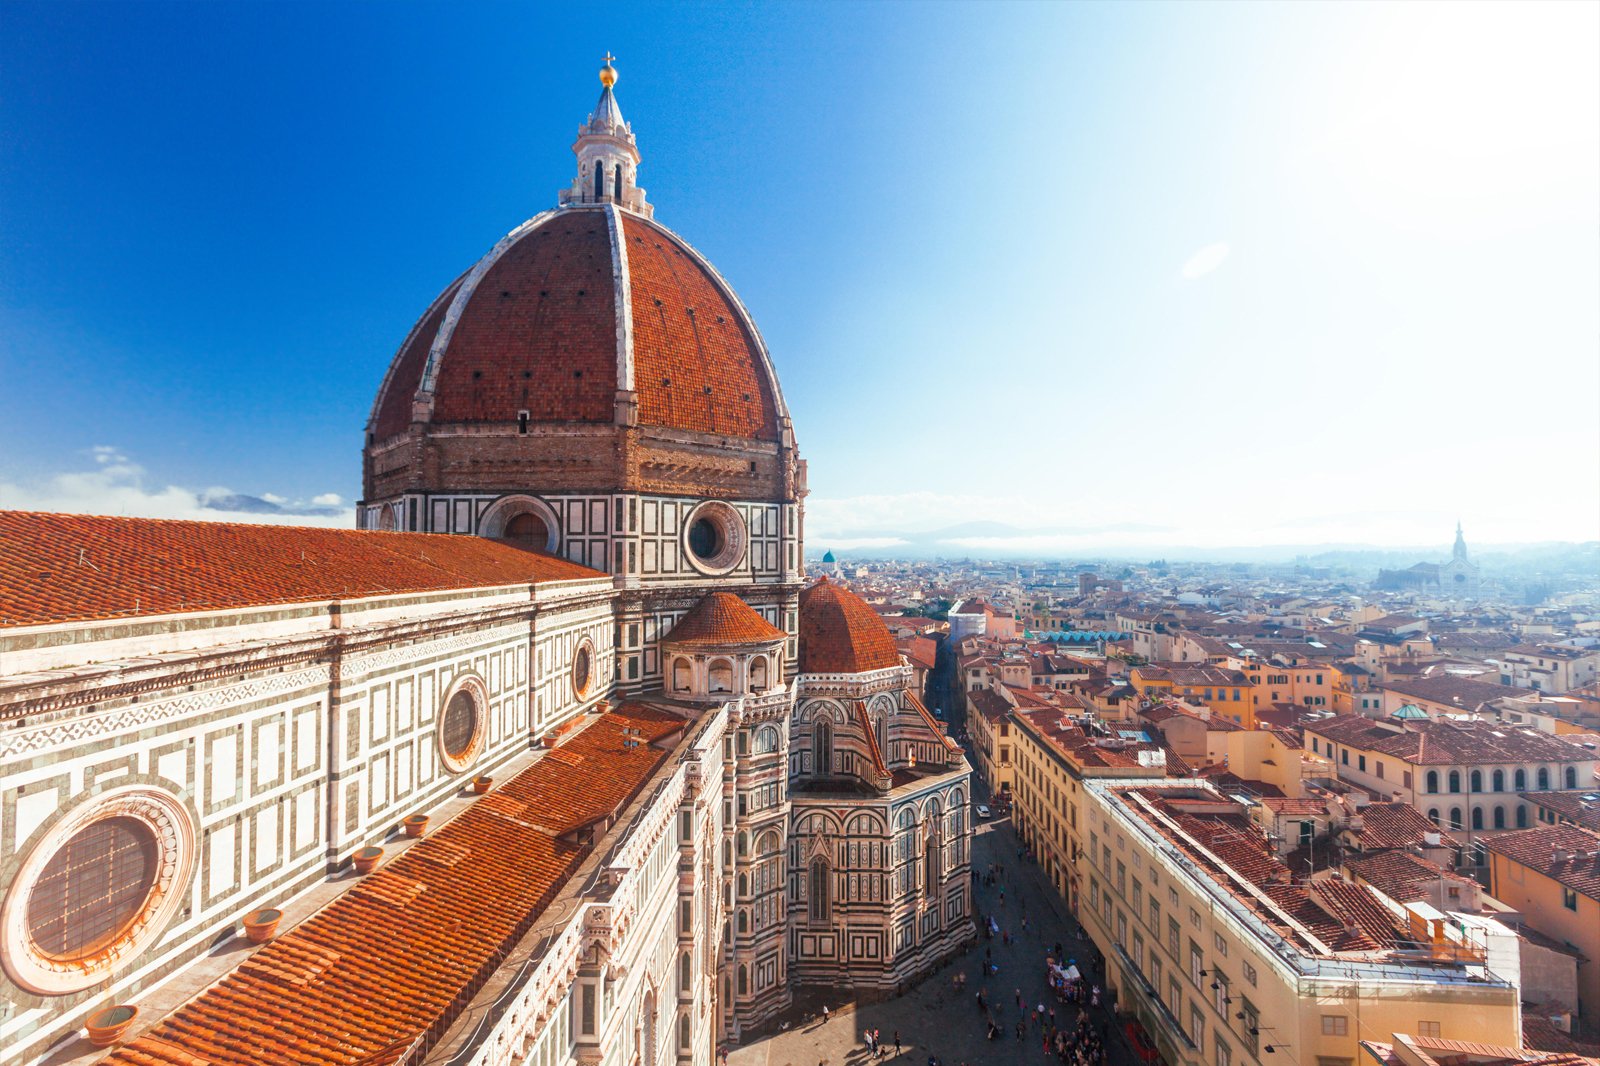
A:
[1360,294]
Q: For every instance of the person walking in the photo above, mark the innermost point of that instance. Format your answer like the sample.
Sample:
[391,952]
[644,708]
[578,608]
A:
[897,1043]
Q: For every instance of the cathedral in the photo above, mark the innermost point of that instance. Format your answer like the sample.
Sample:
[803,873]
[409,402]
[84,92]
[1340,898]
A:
[559,758]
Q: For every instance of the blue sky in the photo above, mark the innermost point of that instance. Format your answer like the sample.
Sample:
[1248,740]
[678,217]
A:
[1121,276]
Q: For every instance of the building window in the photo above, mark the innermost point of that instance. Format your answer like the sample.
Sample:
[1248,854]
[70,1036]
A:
[1522,816]
[1455,780]
[582,669]
[1361,763]
[461,727]
[1544,778]
[1433,781]
[1476,781]
[1430,1029]
[1520,781]
[1569,899]
[1499,817]
[1455,818]
[1477,817]
[1572,777]
[586,1010]
[1335,1025]
[1497,781]
[818,891]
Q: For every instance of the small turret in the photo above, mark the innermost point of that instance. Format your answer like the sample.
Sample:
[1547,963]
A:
[608,157]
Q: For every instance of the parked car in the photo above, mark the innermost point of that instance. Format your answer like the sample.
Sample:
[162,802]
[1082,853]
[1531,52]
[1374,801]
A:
[983,812]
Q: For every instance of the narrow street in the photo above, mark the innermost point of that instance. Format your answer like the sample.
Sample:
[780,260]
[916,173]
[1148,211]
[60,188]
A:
[933,1019]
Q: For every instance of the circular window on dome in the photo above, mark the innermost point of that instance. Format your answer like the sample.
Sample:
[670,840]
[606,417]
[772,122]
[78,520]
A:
[460,729]
[714,538]
[101,884]
[583,669]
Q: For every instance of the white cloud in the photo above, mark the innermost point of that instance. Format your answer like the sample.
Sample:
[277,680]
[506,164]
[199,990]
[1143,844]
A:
[1205,260]
[118,486]
[328,499]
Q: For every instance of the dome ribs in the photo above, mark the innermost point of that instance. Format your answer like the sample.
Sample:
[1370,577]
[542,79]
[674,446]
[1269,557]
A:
[539,334]
[696,366]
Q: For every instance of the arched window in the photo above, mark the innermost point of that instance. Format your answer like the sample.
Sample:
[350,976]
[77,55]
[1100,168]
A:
[1544,778]
[744,845]
[647,1028]
[744,884]
[1476,780]
[1455,780]
[685,973]
[818,891]
[527,530]
[821,748]
[683,1031]
[599,179]
[1520,779]
[1477,817]
[1433,815]
[744,979]
[766,740]
[727,854]
[721,676]
[1433,780]
[1572,777]
[681,675]
[1455,817]
[1522,817]
[1499,817]
[931,867]
[1498,780]
[617,183]
[758,674]
[744,921]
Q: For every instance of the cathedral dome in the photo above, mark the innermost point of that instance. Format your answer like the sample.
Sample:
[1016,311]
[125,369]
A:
[840,634]
[589,313]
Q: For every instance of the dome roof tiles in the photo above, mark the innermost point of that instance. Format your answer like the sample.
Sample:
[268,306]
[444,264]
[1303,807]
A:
[723,619]
[535,327]
[840,634]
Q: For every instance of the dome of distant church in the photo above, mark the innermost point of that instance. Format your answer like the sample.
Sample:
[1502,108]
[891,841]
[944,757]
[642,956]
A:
[841,634]
[590,313]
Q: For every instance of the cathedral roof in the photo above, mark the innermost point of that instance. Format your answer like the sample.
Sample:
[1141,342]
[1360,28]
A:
[723,619]
[68,567]
[573,307]
[385,968]
[840,634]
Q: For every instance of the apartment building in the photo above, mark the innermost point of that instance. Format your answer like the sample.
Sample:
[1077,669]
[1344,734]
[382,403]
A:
[1226,960]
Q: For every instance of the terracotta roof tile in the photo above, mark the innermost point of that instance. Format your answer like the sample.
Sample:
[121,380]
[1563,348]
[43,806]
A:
[840,634]
[695,366]
[67,567]
[1398,825]
[1563,853]
[722,619]
[390,964]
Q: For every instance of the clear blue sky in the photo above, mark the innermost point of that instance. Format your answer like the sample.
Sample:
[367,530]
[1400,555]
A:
[1134,274]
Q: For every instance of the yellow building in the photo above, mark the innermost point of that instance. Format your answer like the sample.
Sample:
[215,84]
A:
[1225,960]
[1552,875]
[1051,758]
[1227,692]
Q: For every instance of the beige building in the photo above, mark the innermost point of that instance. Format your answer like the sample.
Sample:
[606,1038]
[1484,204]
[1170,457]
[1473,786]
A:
[1552,875]
[1224,958]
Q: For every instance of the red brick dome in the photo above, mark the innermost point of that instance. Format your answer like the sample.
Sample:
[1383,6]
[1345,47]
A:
[840,634]
[570,318]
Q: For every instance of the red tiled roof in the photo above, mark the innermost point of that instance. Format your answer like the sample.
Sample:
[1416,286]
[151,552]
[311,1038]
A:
[68,567]
[1398,825]
[720,619]
[396,959]
[539,334]
[1578,868]
[840,634]
[695,367]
